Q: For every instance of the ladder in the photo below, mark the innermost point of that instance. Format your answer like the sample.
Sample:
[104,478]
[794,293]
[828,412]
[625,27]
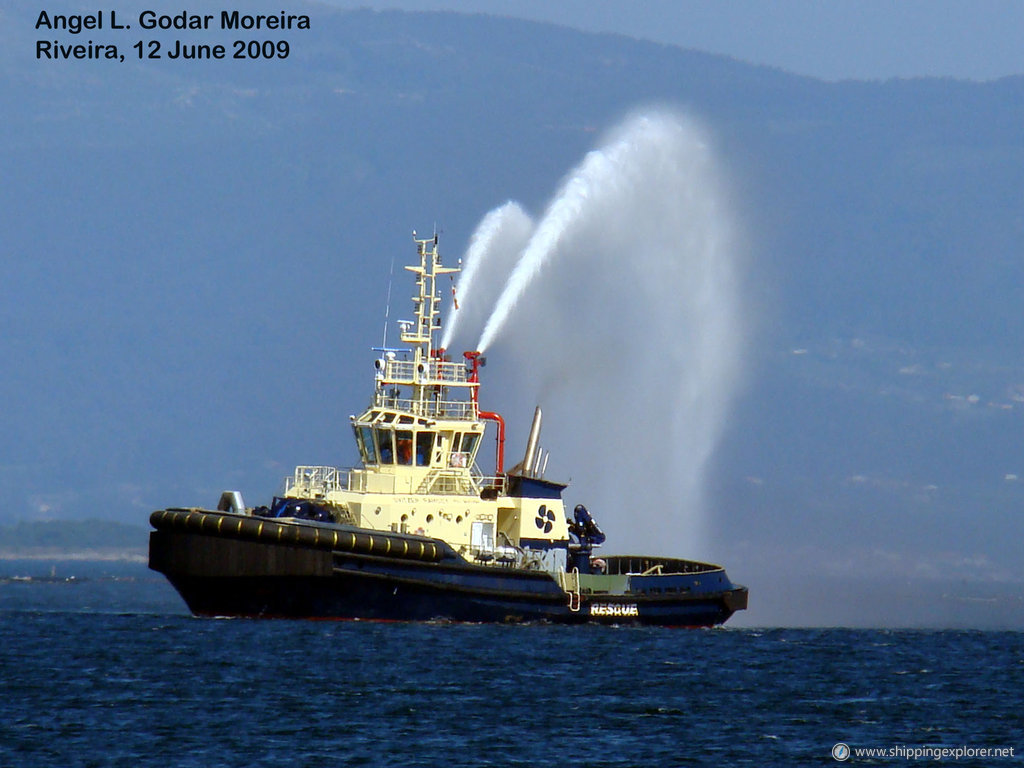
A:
[571,585]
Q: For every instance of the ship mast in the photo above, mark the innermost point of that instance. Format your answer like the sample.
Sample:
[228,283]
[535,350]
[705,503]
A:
[427,300]
[428,377]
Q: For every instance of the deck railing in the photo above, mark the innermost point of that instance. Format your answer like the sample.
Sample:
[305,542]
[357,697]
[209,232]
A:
[649,566]
[434,372]
[312,482]
[444,409]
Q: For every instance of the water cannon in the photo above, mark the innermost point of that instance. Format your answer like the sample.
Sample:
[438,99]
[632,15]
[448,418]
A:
[584,535]
[586,527]
[476,362]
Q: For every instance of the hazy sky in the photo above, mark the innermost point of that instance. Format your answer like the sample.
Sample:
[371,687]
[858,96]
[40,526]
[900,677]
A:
[833,39]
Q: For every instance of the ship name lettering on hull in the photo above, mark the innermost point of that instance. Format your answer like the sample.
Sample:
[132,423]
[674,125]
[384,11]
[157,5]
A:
[610,609]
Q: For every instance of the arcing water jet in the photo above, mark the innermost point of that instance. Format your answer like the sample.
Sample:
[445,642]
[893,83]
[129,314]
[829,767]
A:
[595,174]
[632,338]
[498,238]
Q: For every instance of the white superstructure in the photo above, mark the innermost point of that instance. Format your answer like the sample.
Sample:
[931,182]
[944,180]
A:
[419,442]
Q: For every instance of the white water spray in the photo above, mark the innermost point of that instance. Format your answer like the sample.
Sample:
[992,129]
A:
[631,338]
[498,239]
[599,172]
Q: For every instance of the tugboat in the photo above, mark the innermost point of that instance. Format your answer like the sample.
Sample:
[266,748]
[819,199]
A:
[417,532]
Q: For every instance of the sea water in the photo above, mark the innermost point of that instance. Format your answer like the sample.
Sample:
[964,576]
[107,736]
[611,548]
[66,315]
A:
[109,670]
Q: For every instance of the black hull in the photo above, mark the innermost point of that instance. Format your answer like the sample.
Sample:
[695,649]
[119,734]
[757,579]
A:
[226,565]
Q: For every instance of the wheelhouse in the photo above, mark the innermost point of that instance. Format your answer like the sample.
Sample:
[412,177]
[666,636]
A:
[392,438]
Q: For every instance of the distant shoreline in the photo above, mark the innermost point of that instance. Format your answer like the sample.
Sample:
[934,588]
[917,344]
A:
[96,555]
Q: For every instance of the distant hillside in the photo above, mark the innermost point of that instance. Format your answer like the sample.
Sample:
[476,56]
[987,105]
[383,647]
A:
[81,539]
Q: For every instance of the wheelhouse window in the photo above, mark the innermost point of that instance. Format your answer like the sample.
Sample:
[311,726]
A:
[387,446]
[367,449]
[469,441]
[403,445]
[424,448]
[463,446]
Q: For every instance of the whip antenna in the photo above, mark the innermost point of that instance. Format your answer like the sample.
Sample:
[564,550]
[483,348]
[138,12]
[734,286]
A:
[387,303]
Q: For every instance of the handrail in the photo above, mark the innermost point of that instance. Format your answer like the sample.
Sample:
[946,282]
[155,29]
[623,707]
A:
[463,410]
[570,584]
[313,481]
[433,372]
